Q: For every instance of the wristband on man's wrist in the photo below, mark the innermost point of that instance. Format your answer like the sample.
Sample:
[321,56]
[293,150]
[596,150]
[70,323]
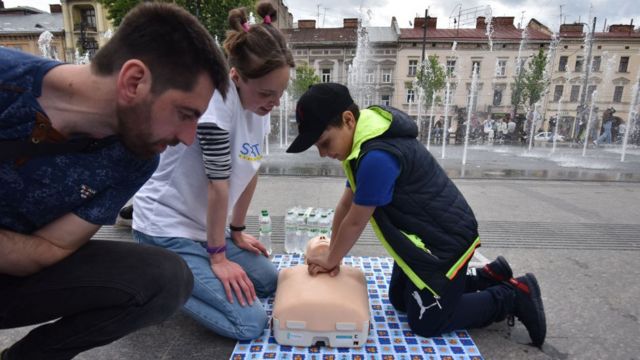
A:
[212,250]
[237,228]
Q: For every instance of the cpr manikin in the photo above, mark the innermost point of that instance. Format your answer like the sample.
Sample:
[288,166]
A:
[319,309]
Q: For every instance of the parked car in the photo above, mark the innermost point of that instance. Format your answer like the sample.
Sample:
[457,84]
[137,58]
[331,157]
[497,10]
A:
[547,136]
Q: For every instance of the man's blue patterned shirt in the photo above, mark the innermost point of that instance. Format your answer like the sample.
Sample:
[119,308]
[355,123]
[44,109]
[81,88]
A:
[92,185]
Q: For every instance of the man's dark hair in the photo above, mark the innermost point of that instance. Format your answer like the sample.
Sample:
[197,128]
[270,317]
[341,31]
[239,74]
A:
[171,42]
[337,120]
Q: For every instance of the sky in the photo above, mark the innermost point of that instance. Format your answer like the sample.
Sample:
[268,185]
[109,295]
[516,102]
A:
[379,12]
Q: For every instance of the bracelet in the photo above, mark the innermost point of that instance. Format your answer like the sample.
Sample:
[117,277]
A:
[212,250]
[237,228]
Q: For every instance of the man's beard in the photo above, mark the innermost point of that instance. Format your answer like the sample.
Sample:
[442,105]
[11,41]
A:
[134,130]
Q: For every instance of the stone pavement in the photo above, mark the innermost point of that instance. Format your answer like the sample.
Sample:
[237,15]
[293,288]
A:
[581,239]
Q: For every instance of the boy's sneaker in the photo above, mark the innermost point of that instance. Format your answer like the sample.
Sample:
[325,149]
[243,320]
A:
[498,270]
[125,216]
[528,307]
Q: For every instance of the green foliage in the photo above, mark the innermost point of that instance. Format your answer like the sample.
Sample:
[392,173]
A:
[117,9]
[518,86]
[534,82]
[212,14]
[305,77]
[529,83]
[431,78]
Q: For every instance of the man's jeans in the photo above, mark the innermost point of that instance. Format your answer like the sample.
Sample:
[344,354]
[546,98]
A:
[98,294]
[208,303]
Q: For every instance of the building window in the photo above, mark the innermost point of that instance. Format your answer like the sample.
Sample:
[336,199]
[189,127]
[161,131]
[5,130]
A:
[367,101]
[595,63]
[88,17]
[617,94]
[369,77]
[562,66]
[557,93]
[575,93]
[624,64]
[386,75]
[451,67]
[449,96]
[501,68]
[497,97]
[410,95]
[590,90]
[475,64]
[413,67]
[385,100]
[326,75]
[579,63]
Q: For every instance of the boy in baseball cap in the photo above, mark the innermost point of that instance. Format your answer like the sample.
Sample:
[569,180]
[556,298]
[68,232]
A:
[418,214]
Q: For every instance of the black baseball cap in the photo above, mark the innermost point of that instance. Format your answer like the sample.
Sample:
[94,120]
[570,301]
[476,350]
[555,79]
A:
[315,109]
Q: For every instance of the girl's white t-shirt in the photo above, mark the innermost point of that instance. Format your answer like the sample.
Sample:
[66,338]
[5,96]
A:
[173,202]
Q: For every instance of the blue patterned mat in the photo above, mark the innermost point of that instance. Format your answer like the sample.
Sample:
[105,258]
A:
[389,337]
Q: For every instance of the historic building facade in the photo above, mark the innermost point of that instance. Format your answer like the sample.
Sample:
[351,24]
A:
[20,28]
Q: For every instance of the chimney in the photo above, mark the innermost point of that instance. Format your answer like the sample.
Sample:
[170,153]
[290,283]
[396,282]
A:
[571,28]
[418,23]
[502,21]
[55,8]
[351,23]
[432,22]
[306,24]
[619,28]
[481,23]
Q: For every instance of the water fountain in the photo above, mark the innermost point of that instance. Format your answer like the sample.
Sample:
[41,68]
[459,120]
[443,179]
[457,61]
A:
[489,30]
[472,96]
[589,120]
[356,79]
[433,104]
[447,100]
[554,133]
[44,43]
[535,116]
[633,112]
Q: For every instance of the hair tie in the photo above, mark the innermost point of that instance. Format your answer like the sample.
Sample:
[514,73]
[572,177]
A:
[267,19]
[245,26]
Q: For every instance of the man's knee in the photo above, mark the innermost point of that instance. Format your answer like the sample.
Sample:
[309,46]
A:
[168,281]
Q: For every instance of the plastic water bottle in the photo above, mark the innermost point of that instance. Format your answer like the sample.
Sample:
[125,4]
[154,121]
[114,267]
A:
[265,230]
[290,239]
[312,225]
[301,233]
[324,226]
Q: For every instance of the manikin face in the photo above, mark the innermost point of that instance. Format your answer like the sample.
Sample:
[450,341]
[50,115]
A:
[336,142]
[260,95]
[150,125]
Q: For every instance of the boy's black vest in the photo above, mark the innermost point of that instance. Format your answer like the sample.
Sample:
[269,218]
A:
[428,227]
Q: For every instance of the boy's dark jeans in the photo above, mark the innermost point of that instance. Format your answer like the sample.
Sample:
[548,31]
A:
[100,293]
[458,307]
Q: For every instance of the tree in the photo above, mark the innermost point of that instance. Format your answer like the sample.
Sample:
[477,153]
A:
[117,9]
[212,14]
[431,78]
[518,86]
[305,77]
[534,81]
